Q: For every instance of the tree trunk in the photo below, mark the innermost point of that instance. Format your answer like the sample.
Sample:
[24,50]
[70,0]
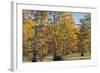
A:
[82,53]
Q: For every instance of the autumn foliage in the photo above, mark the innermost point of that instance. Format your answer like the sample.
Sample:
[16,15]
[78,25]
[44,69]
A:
[49,33]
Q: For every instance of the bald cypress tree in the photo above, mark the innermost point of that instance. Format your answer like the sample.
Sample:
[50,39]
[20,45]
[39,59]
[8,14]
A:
[65,35]
[84,42]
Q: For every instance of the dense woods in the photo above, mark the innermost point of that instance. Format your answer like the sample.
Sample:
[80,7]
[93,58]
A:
[54,34]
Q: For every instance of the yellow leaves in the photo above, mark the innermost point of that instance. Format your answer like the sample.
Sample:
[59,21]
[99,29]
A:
[67,31]
[62,33]
[29,22]
[28,28]
[66,14]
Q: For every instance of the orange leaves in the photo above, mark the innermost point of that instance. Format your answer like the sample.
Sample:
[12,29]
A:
[28,30]
[57,34]
[29,22]
[67,32]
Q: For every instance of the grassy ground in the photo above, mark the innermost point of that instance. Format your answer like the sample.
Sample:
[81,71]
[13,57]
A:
[73,56]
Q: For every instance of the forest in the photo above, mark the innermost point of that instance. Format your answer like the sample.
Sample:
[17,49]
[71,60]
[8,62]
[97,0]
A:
[55,36]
